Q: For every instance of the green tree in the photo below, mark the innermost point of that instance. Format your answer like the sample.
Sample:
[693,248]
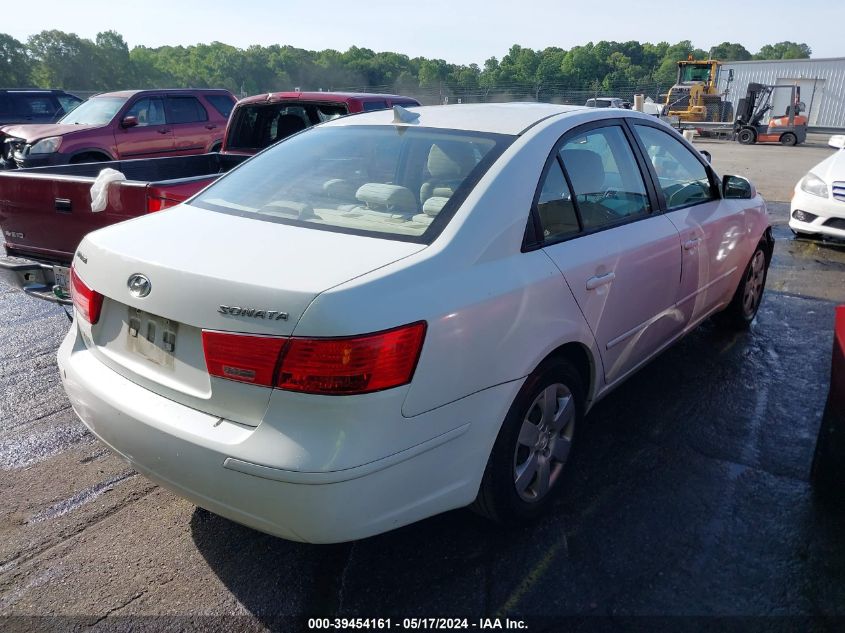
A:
[15,65]
[63,60]
[784,50]
[730,52]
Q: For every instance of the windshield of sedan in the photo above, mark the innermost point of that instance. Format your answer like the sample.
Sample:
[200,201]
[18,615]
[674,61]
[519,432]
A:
[385,181]
[95,111]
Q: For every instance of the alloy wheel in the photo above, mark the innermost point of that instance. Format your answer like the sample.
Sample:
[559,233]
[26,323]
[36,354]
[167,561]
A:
[544,441]
[754,281]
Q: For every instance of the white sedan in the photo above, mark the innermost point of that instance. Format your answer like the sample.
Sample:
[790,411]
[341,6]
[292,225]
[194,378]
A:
[818,205]
[396,314]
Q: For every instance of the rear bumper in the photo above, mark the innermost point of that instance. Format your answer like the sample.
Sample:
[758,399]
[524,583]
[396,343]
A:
[33,277]
[223,466]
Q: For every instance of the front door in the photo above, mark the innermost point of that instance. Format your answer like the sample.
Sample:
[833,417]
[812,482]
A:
[152,136]
[710,228]
[621,260]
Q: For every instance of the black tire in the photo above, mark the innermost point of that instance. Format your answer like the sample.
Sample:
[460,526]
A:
[789,139]
[749,294]
[746,136]
[216,148]
[555,381]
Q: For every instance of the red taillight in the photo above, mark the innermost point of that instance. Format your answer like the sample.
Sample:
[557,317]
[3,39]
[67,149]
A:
[242,357]
[329,366]
[155,203]
[87,302]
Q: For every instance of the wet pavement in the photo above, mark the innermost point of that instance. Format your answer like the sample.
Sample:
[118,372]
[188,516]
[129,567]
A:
[687,495]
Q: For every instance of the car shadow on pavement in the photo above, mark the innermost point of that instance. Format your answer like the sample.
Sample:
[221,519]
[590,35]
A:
[687,493]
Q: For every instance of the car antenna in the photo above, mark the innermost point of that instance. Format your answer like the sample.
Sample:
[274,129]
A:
[401,115]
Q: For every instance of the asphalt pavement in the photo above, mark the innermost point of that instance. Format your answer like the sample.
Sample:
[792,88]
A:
[687,495]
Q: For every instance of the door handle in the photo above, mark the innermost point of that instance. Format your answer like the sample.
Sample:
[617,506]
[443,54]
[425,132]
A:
[692,243]
[600,280]
[163,130]
[210,127]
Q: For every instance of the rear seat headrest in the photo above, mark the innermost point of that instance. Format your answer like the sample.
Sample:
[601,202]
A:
[434,205]
[388,198]
[450,160]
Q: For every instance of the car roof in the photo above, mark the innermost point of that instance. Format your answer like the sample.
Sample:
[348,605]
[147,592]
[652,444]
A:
[37,91]
[132,93]
[324,96]
[497,118]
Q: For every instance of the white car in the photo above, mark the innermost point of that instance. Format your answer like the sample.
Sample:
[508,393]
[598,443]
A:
[818,205]
[395,314]
[608,102]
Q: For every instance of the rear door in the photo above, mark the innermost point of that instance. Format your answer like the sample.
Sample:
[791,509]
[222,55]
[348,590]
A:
[710,228]
[151,137]
[189,120]
[621,258]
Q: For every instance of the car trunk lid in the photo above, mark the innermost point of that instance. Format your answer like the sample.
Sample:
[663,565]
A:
[210,271]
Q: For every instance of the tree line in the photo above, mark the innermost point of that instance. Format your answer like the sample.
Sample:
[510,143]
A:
[55,59]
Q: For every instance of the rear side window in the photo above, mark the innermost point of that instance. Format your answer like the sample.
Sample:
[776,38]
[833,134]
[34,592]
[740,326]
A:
[39,106]
[222,103]
[682,177]
[554,206]
[374,105]
[401,183]
[185,110]
[607,183]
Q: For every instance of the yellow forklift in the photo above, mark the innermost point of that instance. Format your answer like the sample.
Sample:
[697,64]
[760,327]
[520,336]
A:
[695,97]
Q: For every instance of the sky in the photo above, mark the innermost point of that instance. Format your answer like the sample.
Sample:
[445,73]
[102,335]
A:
[459,31]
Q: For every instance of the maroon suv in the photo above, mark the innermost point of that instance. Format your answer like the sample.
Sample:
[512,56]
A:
[121,125]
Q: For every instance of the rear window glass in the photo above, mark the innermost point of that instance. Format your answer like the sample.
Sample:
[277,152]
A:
[185,110]
[259,125]
[385,181]
[222,103]
[374,105]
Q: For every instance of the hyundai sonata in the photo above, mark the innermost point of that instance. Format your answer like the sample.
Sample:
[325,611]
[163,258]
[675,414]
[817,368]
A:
[396,314]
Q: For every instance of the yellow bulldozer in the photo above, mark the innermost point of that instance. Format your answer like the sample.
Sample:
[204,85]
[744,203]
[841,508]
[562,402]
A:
[695,97]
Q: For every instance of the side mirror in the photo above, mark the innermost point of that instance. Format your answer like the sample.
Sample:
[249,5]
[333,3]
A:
[129,121]
[738,188]
[837,141]
[706,155]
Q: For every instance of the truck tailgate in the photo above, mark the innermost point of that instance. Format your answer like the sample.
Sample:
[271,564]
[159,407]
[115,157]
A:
[48,215]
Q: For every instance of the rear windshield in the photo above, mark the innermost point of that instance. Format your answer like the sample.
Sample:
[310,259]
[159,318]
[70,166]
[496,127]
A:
[95,111]
[385,181]
[259,125]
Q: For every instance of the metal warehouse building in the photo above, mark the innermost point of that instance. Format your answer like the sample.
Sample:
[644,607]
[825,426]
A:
[822,83]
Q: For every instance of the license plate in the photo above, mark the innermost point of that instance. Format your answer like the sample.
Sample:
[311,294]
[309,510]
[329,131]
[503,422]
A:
[61,276]
[151,336]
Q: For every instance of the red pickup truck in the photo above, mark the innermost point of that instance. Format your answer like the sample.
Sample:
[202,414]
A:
[123,125]
[45,212]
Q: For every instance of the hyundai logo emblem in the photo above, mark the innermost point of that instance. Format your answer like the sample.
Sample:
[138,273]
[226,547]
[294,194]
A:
[139,285]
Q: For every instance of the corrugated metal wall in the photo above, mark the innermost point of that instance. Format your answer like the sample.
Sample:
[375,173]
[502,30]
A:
[822,84]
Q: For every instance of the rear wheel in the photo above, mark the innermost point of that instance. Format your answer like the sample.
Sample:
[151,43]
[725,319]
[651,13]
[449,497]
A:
[746,136]
[526,466]
[746,300]
[788,138]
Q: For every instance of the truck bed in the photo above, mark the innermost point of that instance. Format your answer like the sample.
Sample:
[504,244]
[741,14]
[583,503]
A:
[46,211]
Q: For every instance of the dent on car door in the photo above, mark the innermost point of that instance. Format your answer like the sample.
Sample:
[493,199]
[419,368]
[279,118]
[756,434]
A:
[711,229]
[622,261]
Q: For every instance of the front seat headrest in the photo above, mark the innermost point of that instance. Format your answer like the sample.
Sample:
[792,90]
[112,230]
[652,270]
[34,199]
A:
[586,170]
